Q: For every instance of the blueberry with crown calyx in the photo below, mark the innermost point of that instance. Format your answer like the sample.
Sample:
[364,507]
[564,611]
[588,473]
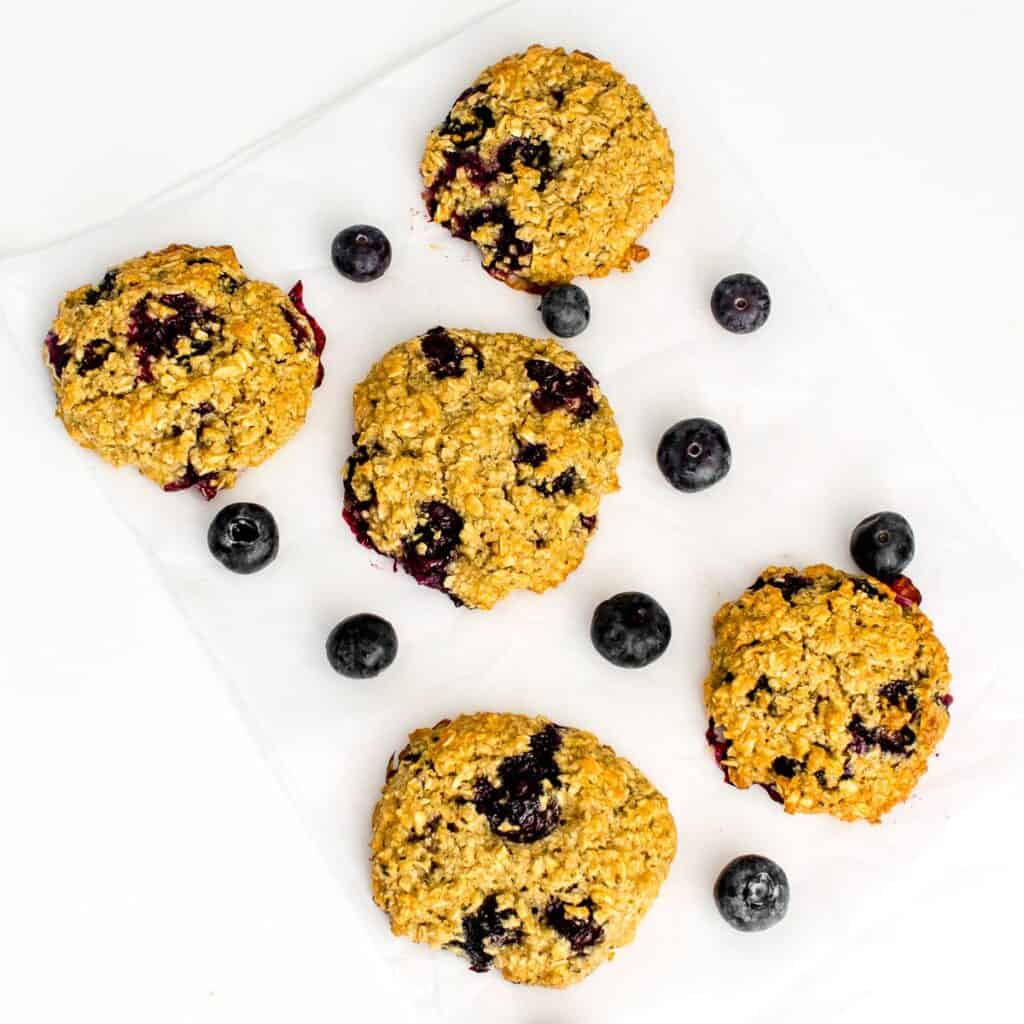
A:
[694,454]
[362,646]
[361,253]
[883,545]
[243,537]
[630,630]
[752,893]
[740,303]
[565,310]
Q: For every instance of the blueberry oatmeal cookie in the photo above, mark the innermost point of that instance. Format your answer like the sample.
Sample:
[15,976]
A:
[828,690]
[480,461]
[520,844]
[179,364]
[553,164]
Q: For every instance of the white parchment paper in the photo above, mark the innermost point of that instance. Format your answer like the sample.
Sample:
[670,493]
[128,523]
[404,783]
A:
[819,440]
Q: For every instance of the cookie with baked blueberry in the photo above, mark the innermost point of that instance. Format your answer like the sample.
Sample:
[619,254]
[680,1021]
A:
[553,164]
[830,691]
[520,844]
[179,364]
[480,462]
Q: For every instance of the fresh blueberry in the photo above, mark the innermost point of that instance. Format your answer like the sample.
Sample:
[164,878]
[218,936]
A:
[361,253]
[631,630]
[740,303]
[565,310]
[243,537]
[362,646]
[752,893]
[694,454]
[883,545]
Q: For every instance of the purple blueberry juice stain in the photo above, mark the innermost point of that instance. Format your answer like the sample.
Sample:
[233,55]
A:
[558,389]
[565,483]
[588,522]
[900,694]
[463,134]
[510,251]
[786,767]
[57,353]
[438,536]
[486,927]
[720,745]
[516,808]
[355,511]
[444,355]
[788,585]
[104,290]
[204,483]
[772,790]
[536,155]
[532,455]
[299,333]
[581,933]
[319,337]
[157,337]
[865,737]
[862,586]
[94,355]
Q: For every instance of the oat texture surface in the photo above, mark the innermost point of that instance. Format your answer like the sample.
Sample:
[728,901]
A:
[480,462]
[524,846]
[829,690]
[553,164]
[181,365]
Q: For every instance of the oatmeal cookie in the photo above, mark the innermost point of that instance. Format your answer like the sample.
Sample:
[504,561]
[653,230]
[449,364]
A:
[520,844]
[179,364]
[828,690]
[553,164]
[480,462]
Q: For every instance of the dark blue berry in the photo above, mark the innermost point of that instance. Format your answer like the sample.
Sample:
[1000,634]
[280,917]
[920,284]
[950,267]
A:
[243,537]
[565,310]
[740,303]
[559,389]
[361,253]
[521,809]
[883,544]
[752,893]
[362,646]
[581,933]
[631,630]
[694,454]
[486,929]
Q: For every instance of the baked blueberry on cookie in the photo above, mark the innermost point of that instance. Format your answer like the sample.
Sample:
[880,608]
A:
[480,461]
[553,164]
[523,845]
[180,365]
[827,690]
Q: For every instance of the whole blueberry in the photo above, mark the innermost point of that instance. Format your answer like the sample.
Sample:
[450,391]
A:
[694,454]
[565,310]
[883,544]
[752,893]
[361,253]
[740,303]
[362,646]
[630,629]
[243,537]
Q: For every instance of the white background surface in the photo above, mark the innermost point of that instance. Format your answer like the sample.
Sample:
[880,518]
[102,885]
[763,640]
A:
[150,866]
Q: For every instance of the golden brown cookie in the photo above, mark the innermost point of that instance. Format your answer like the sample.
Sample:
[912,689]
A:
[828,690]
[480,462]
[179,364]
[520,844]
[553,164]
